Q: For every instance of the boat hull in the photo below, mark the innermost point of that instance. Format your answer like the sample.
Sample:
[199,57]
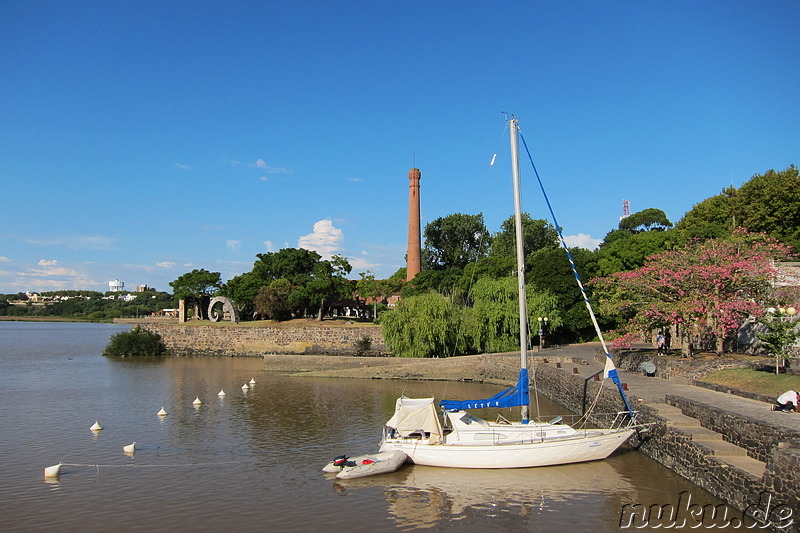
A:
[368,465]
[588,445]
[382,463]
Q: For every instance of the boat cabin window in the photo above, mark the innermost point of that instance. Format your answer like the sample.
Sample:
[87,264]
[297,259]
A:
[469,418]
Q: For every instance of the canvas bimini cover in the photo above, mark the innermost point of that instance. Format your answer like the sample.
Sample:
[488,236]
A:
[415,415]
[514,397]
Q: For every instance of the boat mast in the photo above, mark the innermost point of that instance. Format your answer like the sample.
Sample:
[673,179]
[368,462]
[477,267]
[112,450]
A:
[523,311]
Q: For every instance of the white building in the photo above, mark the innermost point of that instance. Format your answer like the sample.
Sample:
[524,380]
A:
[116,285]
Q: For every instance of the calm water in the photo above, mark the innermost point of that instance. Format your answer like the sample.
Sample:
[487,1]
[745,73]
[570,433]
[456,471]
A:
[252,461]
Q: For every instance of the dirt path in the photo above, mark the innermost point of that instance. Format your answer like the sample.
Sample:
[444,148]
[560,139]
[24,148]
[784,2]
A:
[493,368]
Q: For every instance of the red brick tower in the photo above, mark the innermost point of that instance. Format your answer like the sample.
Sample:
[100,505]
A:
[413,257]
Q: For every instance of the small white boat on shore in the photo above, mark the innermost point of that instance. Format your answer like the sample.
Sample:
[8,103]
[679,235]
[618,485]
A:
[365,465]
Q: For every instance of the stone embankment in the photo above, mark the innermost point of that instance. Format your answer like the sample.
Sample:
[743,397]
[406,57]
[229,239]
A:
[242,340]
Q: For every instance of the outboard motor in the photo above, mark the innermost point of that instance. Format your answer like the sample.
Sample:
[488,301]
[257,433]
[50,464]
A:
[340,461]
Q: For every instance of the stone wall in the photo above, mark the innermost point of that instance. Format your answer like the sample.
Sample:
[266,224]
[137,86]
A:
[674,448]
[782,475]
[669,367]
[577,393]
[755,436]
[231,340]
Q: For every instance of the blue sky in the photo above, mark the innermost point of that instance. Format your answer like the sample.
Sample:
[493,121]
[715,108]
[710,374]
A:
[142,139]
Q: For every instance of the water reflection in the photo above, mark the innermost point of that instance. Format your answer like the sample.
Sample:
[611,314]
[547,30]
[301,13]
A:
[420,496]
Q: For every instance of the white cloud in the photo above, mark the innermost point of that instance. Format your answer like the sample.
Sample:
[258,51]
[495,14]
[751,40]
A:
[183,167]
[78,242]
[270,246]
[46,263]
[355,180]
[264,178]
[325,240]
[48,271]
[582,240]
[260,163]
[165,264]
[233,244]
[4,259]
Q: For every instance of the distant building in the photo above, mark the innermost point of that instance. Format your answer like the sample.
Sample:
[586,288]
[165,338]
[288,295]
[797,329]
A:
[116,285]
[144,288]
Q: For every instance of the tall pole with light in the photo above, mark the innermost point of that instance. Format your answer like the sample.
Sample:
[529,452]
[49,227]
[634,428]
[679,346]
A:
[542,328]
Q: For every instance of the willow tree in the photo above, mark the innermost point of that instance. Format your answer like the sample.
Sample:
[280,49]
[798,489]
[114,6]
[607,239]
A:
[426,325]
[496,313]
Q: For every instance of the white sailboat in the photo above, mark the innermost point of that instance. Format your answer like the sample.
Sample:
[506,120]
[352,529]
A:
[466,441]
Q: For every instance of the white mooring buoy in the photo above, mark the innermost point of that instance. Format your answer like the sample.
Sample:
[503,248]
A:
[245,387]
[221,393]
[162,412]
[252,381]
[96,426]
[197,401]
[52,471]
[130,448]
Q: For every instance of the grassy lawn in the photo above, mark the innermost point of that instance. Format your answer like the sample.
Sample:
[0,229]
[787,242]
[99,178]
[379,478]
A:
[754,381]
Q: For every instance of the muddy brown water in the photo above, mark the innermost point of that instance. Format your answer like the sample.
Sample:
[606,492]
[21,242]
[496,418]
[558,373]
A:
[252,460]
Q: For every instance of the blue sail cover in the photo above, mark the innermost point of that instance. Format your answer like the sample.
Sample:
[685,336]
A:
[513,397]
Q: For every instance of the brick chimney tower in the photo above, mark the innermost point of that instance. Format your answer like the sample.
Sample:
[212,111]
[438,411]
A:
[414,264]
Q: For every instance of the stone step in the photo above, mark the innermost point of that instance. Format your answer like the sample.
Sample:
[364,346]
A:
[668,411]
[752,466]
[721,448]
[700,434]
[677,419]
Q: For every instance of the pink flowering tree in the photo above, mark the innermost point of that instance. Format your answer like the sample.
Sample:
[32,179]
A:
[705,288]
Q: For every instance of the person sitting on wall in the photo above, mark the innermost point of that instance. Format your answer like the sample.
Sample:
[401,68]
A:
[787,402]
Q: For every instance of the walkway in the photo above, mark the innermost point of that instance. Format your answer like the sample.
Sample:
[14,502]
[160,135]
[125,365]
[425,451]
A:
[653,390]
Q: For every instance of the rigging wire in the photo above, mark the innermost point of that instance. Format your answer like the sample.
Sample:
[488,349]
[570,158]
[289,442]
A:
[608,372]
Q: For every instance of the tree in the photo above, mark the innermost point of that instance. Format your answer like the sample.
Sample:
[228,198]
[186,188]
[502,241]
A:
[496,312]
[368,287]
[548,270]
[706,288]
[536,234]
[780,333]
[645,220]
[455,241]
[243,290]
[198,282]
[768,203]
[329,282]
[445,281]
[622,250]
[294,264]
[272,301]
[424,326]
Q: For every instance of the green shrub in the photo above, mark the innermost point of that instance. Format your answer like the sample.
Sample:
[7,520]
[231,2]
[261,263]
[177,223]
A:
[363,346]
[136,342]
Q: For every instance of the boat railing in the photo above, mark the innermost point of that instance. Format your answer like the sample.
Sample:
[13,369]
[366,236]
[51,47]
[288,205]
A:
[624,420]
